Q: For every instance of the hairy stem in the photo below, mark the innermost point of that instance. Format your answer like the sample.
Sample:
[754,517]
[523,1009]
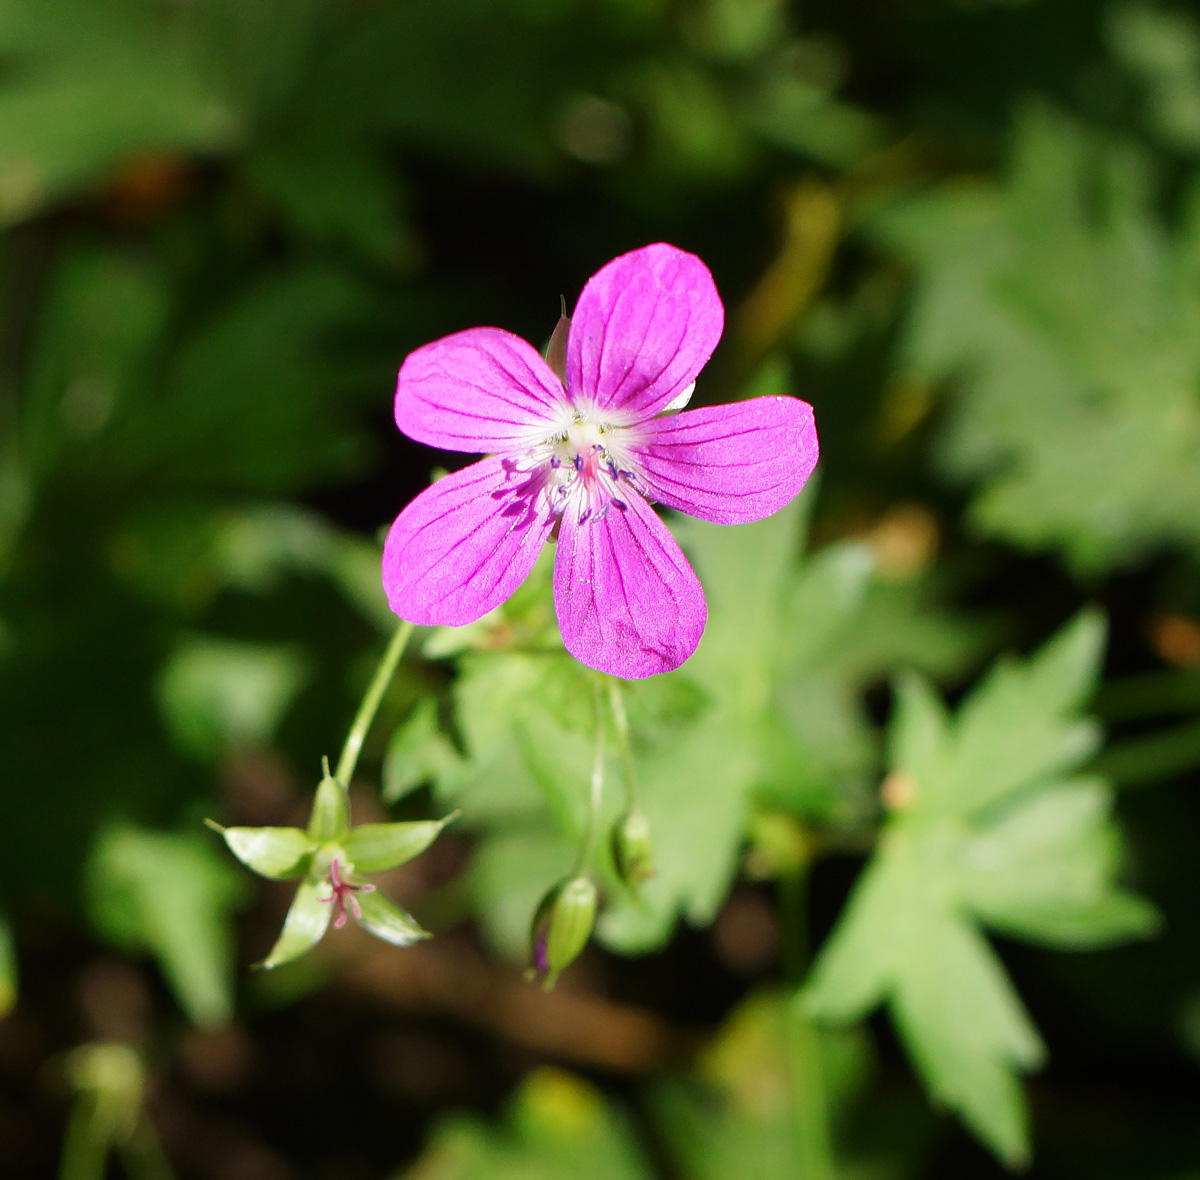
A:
[370,703]
[616,703]
[596,793]
[809,1102]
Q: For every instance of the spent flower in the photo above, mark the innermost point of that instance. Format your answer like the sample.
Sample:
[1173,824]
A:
[328,857]
[578,447]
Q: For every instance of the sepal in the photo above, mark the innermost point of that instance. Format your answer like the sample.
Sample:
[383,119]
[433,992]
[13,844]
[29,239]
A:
[388,921]
[277,853]
[372,848]
[330,812]
[304,927]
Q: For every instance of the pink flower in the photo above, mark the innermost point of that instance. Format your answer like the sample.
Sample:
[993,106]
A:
[585,453]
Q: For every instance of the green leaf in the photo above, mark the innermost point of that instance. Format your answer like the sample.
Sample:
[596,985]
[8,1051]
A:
[305,925]
[767,712]
[277,853]
[388,921]
[1068,319]
[171,895]
[417,753]
[372,848]
[986,830]
[218,694]
[967,1031]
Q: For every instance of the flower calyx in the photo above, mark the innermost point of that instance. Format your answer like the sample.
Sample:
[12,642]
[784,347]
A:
[328,857]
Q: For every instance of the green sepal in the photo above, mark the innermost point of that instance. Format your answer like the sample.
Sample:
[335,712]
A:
[388,921]
[278,853]
[304,927]
[330,812]
[371,848]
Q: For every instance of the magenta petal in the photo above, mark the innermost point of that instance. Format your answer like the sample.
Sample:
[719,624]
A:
[465,544]
[628,602]
[479,390]
[643,329]
[729,464]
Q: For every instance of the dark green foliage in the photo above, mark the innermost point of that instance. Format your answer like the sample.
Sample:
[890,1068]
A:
[969,233]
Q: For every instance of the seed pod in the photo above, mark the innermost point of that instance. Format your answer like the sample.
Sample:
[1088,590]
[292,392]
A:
[561,928]
[633,848]
[330,812]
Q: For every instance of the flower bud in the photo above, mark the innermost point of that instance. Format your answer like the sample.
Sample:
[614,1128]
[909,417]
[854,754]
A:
[561,927]
[633,848]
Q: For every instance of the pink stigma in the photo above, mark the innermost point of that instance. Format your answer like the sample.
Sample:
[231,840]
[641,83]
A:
[342,895]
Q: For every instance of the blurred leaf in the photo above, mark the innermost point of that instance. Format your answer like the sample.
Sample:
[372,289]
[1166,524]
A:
[171,895]
[417,753]
[104,312]
[95,82]
[1162,49]
[218,694]
[183,555]
[1071,321]
[558,1125]
[258,394]
[985,829]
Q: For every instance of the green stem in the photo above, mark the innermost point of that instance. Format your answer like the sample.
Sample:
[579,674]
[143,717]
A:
[370,703]
[143,1156]
[596,795]
[809,1101]
[85,1145]
[616,703]
[810,1106]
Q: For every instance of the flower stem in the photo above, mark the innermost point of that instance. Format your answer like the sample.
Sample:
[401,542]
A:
[616,703]
[370,703]
[596,796]
[810,1104]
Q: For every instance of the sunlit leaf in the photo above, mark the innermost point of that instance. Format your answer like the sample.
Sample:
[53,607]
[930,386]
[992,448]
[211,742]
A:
[987,829]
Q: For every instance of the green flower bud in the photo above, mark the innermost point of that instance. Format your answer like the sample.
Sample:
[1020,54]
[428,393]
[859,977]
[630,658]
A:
[633,848]
[561,928]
